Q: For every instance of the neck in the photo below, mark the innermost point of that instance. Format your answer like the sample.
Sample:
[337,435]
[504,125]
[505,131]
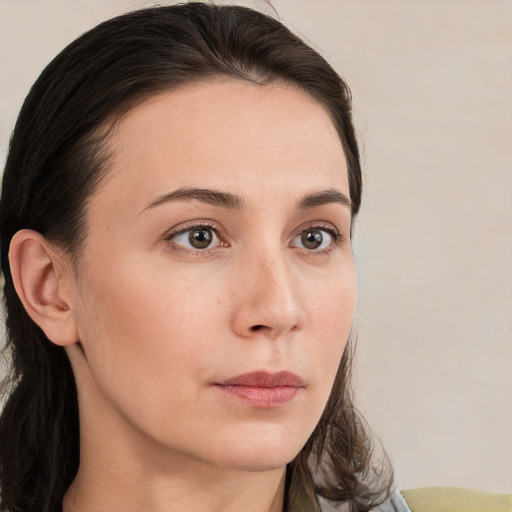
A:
[217,492]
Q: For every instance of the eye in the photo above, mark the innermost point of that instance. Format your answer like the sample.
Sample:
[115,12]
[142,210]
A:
[315,239]
[197,238]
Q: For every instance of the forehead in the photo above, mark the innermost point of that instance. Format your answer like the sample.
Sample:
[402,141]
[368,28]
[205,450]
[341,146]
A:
[226,132]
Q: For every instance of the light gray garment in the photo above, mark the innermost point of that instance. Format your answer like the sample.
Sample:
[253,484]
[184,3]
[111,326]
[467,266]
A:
[395,503]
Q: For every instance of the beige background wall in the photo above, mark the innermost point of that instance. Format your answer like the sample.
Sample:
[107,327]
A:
[432,82]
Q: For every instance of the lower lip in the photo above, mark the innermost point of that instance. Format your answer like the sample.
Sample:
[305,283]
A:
[262,397]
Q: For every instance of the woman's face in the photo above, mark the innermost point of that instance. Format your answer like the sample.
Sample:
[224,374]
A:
[216,289]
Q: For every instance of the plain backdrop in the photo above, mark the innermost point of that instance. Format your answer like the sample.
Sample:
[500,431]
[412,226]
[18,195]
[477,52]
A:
[432,82]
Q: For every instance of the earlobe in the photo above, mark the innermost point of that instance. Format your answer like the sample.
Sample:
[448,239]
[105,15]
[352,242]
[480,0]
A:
[41,278]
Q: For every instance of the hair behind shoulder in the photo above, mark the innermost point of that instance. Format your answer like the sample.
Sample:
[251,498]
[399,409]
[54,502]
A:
[57,158]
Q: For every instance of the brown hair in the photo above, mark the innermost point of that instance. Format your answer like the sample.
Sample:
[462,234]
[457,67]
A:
[56,160]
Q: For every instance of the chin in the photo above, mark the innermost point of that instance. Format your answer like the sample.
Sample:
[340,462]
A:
[260,454]
[257,463]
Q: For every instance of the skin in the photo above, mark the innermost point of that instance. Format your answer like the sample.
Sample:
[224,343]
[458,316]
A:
[158,323]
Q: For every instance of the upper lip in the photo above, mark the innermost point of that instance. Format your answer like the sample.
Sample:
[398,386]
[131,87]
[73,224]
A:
[264,379]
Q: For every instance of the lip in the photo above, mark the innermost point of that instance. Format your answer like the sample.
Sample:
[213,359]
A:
[263,390]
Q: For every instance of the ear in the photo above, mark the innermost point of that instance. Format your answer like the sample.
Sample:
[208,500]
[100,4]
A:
[43,280]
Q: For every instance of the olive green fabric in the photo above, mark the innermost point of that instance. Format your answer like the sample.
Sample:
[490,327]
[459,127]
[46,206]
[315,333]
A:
[456,499]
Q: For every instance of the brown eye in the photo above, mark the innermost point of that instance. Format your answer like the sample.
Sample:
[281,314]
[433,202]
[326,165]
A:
[316,239]
[200,238]
[312,239]
[196,238]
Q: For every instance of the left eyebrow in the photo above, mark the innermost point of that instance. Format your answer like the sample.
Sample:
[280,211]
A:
[324,197]
[204,195]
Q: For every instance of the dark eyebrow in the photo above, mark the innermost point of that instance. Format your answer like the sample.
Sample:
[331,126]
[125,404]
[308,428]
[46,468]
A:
[204,195]
[232,201]
[324,197]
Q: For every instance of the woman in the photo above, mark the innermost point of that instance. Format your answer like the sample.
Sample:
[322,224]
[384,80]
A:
[175,225]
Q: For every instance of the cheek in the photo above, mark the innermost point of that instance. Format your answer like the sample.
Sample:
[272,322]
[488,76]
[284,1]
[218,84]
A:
[334,302]
[331,316]
[143,331]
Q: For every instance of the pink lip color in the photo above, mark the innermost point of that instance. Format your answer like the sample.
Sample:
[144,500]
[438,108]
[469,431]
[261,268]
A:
[263,390]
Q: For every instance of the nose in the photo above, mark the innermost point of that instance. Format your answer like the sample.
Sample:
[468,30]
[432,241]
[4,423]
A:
[267,299]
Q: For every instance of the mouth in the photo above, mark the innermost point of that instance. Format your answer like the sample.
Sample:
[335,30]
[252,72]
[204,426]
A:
[263,390]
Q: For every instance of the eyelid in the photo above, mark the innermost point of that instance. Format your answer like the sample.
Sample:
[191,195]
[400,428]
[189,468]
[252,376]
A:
[187,226]
[320,225]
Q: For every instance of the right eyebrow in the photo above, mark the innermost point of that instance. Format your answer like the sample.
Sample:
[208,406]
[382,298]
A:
[324,197]
[205,195]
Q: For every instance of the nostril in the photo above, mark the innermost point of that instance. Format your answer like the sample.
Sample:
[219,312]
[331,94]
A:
[256,327]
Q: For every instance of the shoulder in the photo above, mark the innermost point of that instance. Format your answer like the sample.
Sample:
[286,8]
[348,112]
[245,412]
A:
[437,499]
[455,499]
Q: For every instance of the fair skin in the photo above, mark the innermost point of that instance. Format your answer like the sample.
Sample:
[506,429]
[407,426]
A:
[178,292]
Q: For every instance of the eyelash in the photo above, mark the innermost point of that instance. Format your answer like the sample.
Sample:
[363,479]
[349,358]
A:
[335,235]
